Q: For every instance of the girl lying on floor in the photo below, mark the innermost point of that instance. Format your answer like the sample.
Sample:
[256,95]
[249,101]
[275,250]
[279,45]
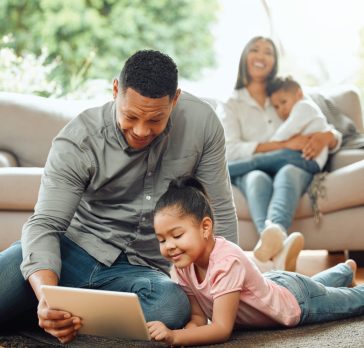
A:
[225,287]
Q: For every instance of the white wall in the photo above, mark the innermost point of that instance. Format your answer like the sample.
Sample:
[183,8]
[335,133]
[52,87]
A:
[320,40]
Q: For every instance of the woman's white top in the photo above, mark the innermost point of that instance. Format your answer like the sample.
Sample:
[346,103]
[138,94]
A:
[247,124]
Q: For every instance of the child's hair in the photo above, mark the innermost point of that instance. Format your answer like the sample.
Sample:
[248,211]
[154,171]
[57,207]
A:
[189,196]
[282,83]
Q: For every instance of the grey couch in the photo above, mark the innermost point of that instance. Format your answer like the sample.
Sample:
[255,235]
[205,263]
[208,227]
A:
[29,123]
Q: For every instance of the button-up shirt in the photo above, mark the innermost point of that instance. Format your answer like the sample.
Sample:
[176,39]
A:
[101,193]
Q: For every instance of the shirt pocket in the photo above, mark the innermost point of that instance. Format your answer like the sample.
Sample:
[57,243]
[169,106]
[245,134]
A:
[174,168]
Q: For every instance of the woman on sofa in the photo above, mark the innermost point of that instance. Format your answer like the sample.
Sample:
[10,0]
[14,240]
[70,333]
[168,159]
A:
[250,120]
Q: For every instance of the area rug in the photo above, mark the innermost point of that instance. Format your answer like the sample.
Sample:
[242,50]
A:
[342,333]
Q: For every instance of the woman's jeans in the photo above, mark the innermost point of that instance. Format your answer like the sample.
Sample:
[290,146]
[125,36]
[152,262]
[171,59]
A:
[160,297]
[325,296]
[273,198]
[272,162]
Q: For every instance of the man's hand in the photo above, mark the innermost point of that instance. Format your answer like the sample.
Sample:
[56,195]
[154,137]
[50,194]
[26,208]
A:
[59,324]
[159,332]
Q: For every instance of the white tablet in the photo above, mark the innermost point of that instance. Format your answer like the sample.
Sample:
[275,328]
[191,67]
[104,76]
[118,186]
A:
[103,313]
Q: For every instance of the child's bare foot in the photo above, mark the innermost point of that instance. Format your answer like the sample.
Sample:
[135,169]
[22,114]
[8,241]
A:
[352,264]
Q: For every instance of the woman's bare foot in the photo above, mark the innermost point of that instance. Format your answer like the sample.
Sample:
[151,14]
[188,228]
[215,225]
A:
[352,264]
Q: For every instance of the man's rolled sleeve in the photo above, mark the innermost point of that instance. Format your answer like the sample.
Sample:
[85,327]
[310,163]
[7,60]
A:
[34,262]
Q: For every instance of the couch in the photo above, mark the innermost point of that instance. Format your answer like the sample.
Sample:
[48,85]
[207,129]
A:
[29,123]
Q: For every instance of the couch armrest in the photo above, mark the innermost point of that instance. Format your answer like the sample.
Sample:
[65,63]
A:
[344,157]
[19,187]
[344,188]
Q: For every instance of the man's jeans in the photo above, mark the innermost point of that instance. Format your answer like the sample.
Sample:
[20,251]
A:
[325,296]
[160,297]
[273,198]
[272,162]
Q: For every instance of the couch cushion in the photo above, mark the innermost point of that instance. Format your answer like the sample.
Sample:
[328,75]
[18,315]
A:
[19,188]
[29,123]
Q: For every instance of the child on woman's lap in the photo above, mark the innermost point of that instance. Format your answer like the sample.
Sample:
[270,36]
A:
[301,116]
[225,287]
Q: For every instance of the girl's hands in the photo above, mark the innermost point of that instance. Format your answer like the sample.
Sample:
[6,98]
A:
[59,324]
[159,332]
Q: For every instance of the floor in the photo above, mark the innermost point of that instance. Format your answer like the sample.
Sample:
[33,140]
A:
[313,261]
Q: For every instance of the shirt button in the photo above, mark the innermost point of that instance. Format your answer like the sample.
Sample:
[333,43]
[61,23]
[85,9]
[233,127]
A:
[148,198]
[149,173]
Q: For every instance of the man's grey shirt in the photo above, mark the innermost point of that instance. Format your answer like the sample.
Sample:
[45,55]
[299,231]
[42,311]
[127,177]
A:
[101,193]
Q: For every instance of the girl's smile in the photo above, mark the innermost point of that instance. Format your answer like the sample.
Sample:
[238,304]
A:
[182,239]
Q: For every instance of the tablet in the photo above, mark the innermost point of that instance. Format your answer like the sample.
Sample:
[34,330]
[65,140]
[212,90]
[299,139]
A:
[103,313]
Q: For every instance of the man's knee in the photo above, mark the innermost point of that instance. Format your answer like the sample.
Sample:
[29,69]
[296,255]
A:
[16,295]
[10,260]
[170,305]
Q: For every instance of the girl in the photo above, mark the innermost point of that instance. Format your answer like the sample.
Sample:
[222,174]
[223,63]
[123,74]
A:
[225,287]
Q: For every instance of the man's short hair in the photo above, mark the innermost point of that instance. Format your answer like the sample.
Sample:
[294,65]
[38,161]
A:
[282,83]
[150,73]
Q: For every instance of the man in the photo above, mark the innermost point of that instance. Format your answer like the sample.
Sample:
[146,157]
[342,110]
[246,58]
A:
[92,225]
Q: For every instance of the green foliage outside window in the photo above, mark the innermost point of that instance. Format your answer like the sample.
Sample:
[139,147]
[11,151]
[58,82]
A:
[89,39]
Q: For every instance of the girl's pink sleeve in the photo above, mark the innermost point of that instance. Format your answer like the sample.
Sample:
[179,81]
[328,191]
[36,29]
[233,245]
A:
[227,276]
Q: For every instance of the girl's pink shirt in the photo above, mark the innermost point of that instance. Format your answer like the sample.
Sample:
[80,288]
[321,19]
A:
[262,302]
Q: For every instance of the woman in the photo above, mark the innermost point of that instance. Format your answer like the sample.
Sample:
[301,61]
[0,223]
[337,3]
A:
[250,120]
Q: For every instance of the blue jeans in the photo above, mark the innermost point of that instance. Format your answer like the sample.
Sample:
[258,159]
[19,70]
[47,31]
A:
[272,162]
[324,297]
[273,198]
[160,297]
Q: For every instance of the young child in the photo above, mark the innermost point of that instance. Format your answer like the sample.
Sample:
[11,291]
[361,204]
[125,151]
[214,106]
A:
[224,286]
[301,116]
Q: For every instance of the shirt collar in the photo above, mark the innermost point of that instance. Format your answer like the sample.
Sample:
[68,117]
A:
[243,95]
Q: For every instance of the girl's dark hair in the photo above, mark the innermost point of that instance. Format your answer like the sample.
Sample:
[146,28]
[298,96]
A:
[243,78]
[189,196]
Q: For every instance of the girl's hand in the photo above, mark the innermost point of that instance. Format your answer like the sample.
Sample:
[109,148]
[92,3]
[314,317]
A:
[159,332]
[59,324]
